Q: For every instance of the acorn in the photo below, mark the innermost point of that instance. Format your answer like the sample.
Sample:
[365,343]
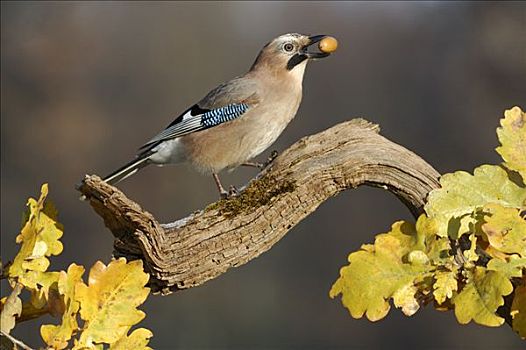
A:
[328,44]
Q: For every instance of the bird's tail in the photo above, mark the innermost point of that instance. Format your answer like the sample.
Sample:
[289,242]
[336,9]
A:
[127,170]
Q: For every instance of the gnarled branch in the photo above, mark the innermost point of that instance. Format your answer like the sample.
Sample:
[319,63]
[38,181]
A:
[231,232]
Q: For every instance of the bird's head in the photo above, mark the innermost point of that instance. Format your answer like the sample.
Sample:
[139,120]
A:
[291,52]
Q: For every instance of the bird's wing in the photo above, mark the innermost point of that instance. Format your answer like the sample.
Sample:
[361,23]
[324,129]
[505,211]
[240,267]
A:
[223,104]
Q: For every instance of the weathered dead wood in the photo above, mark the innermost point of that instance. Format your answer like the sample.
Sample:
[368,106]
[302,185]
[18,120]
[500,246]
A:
[229,233]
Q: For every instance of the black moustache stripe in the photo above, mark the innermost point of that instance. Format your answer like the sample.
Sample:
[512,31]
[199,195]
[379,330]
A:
[295,60]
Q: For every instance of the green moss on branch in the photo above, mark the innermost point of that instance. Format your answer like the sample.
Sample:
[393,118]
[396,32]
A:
[258,193]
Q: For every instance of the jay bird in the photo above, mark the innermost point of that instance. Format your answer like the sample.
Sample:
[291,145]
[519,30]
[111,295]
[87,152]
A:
[239,119]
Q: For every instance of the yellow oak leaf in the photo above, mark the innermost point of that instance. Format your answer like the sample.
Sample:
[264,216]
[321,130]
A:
[438,249]
[461,194]
[513,266]
[376,274]
[445,284]
[11,308]
[58,336]
[505,229]
[404,298]
[426,231]
[39,237]
[137,340]
[518,310]
[481,296]
[109,303]
[40,284]
[512,136]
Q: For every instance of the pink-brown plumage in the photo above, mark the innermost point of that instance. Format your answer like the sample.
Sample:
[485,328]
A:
[269,93]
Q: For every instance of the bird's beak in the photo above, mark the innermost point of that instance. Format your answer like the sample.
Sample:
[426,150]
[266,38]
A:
[308,50]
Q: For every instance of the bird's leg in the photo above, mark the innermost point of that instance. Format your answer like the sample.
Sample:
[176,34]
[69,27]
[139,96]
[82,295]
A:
[220,187]
[232,191]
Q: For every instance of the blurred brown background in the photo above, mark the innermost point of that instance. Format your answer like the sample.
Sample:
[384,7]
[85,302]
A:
[83,84]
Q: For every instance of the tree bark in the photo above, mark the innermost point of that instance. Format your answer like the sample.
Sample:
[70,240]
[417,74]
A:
[231,232]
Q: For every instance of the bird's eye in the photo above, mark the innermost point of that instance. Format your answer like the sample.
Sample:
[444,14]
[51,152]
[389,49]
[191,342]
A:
[288,47]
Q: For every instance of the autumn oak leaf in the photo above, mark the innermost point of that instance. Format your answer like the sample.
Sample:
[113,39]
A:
[461,194]
[58,336]
[511,267]
[11,308]
[512,136]
[108,305]
[445,284]
[39,237]
[481,297]
[505,229]
[137,340]
[378,273]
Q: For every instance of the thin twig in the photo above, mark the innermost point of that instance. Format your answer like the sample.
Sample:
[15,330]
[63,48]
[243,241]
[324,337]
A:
[15,341]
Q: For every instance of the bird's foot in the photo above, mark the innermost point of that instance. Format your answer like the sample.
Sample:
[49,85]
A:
[232,192]
[262,166]
[270,159]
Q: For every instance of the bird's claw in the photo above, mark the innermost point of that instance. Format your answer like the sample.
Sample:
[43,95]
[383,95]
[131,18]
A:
[270,159]
[265,164]
[232,192]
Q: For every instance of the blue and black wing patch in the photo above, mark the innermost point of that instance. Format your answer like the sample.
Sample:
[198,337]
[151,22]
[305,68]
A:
[223,114]
[196,119]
